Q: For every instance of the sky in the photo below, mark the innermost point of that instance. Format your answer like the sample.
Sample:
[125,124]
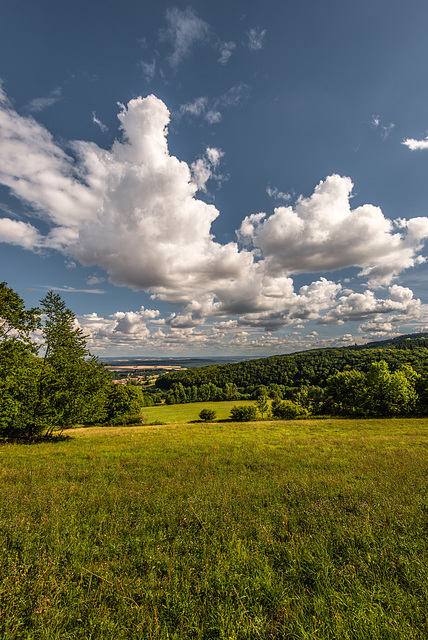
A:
[228,178]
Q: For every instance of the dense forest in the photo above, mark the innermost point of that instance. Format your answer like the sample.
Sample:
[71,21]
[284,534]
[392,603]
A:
[306,368]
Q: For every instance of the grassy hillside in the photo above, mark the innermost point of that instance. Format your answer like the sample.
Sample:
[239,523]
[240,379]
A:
[302,530]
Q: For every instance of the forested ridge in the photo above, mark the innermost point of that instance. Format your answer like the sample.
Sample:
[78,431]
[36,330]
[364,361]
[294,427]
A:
[306,368]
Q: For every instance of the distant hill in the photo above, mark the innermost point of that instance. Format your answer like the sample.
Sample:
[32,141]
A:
[167,363]
[306,367]
[408,341]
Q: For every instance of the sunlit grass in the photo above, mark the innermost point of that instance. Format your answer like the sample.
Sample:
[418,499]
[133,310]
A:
[299,530]
[183,413]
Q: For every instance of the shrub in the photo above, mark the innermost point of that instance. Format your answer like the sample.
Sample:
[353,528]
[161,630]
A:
[287,410]
[207,414]
[244,413]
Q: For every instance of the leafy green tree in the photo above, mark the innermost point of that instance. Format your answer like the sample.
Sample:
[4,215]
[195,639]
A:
[378,389]
[19,366]
[403,394]
[260,390]
[16,322]
[390,393]
[377,393]
[231,391]
[19,374]
[421,388]
[123,403]
[262,404]
[71,378]
[207,415]
[170,397]
[346,394]
[275,391]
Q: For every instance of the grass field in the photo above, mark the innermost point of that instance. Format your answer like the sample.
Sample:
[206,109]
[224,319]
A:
[273,530]
[182,413]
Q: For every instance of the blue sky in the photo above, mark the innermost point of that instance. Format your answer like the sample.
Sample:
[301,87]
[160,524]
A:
[207,178]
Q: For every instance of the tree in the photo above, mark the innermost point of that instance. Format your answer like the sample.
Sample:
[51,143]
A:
[19,366]
[346,393]
[391,393]
[231,391]
[262,404]
[16,322]
[71,379]
[207,415]
[378,393]
[19,373]
[124,403]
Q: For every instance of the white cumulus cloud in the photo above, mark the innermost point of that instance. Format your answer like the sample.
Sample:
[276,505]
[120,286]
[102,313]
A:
[323,233]
[415,145]
[133,210]
[363,306]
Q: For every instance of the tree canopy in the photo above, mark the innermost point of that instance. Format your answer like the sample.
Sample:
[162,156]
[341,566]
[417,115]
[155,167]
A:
[50,380]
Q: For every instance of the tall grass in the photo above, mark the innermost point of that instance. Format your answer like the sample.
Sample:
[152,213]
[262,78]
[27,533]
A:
[300,530]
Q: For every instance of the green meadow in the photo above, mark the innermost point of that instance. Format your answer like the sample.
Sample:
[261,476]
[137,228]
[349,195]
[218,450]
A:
[274,530]
[189,412]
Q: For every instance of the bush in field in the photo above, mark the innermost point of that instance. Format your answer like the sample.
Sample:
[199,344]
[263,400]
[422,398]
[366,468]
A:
[288,410]
[207,414]
[244,413]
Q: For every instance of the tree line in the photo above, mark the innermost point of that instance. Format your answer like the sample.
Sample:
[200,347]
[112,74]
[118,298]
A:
[304,369]
[373,381]
[351,393]
[48,378]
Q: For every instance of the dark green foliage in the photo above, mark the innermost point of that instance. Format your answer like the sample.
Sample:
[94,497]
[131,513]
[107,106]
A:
[72,384]
[307,368]
[421,387]
[207,415]
[288,410]
[377,393]
[346,393]
[323,380]
[15,321]
[122,403]
[64,387]
[19,368]
[20,371]
[243,413]
[179,393]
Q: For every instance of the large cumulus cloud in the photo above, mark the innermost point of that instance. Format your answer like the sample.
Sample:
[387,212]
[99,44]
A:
[323,233]
[134,210]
